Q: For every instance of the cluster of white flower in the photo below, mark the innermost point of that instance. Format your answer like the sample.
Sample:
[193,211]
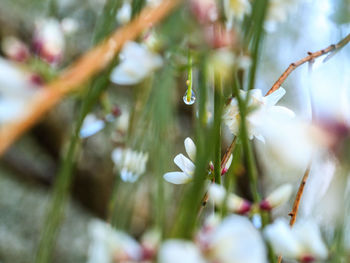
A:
[130,164]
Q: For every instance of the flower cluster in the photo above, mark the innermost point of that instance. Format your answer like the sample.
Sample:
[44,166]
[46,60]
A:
[130,164]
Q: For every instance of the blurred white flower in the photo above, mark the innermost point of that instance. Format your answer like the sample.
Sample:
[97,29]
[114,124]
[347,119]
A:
[49,40]
[177,250]
[14,49]
[91,126]
[235,204]
[129,163]
[124,13]
[186,165]
[277,12]
[235,240]
[109,245]
[236,9]
[292,143]
[69,25]
[303,242]
[278,197]
[16,90]
[262,108]
[137,62]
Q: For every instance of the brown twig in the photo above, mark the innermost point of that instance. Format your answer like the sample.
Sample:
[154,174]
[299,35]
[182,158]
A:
[311,56]
[81,71]
[293,214]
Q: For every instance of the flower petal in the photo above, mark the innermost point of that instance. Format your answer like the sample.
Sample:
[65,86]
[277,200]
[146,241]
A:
[184,164]
[177,177]
[282,239]
[190,148]
[275,96]
[309,235]
[176,250]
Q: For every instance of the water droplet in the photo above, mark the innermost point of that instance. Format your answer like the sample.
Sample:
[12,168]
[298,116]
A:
[192,100]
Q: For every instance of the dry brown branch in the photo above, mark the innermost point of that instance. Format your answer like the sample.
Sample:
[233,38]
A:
[81,71]
[293,214]
[311,57]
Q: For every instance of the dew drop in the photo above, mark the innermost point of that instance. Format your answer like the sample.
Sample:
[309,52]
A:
[191,101]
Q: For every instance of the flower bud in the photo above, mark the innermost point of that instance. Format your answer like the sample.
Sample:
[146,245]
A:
[234,203]
[277,197]
[227,165]
[15,49]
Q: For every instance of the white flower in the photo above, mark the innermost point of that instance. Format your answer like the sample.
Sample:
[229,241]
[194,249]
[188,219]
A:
[185,164]
[302,242]
[124,13]
[234,203]
[236,240]
[263,108]
[292,143]
[236,9]
[16,90]
[278,197]
[177,250]
[109,245]
[130,164]
[49,40]
[91,126]
[137,62]
[277,12]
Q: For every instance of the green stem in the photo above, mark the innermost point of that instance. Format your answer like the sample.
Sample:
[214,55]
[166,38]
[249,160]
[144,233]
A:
[217,128]
[189,81]
[247,147]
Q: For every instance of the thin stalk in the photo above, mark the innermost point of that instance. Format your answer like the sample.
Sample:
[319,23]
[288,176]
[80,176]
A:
[247,148]
[218,106]
[189,80]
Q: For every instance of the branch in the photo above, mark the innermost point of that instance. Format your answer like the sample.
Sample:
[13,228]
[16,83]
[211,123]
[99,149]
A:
[293,214]
[311,56]
[81,71]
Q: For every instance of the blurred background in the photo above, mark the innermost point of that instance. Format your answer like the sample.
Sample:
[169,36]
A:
[144,120]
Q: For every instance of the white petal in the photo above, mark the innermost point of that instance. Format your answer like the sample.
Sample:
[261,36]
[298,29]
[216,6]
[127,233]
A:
[124,74]
[91,126]
[177,177]
[228,163]
[124,14]
[184,164]
[217,193]
[275,96]
[237,240]
[190,148]
[283,241]
[309,235]
[176,250]
[280,112]
[280,195]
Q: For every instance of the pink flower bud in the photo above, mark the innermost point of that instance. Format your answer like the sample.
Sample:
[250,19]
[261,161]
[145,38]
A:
[204,10]
[48,40]
[277,197]
[15,49]
[217,36]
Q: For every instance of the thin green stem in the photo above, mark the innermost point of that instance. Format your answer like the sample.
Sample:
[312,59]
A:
[217,128]
[189,81]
